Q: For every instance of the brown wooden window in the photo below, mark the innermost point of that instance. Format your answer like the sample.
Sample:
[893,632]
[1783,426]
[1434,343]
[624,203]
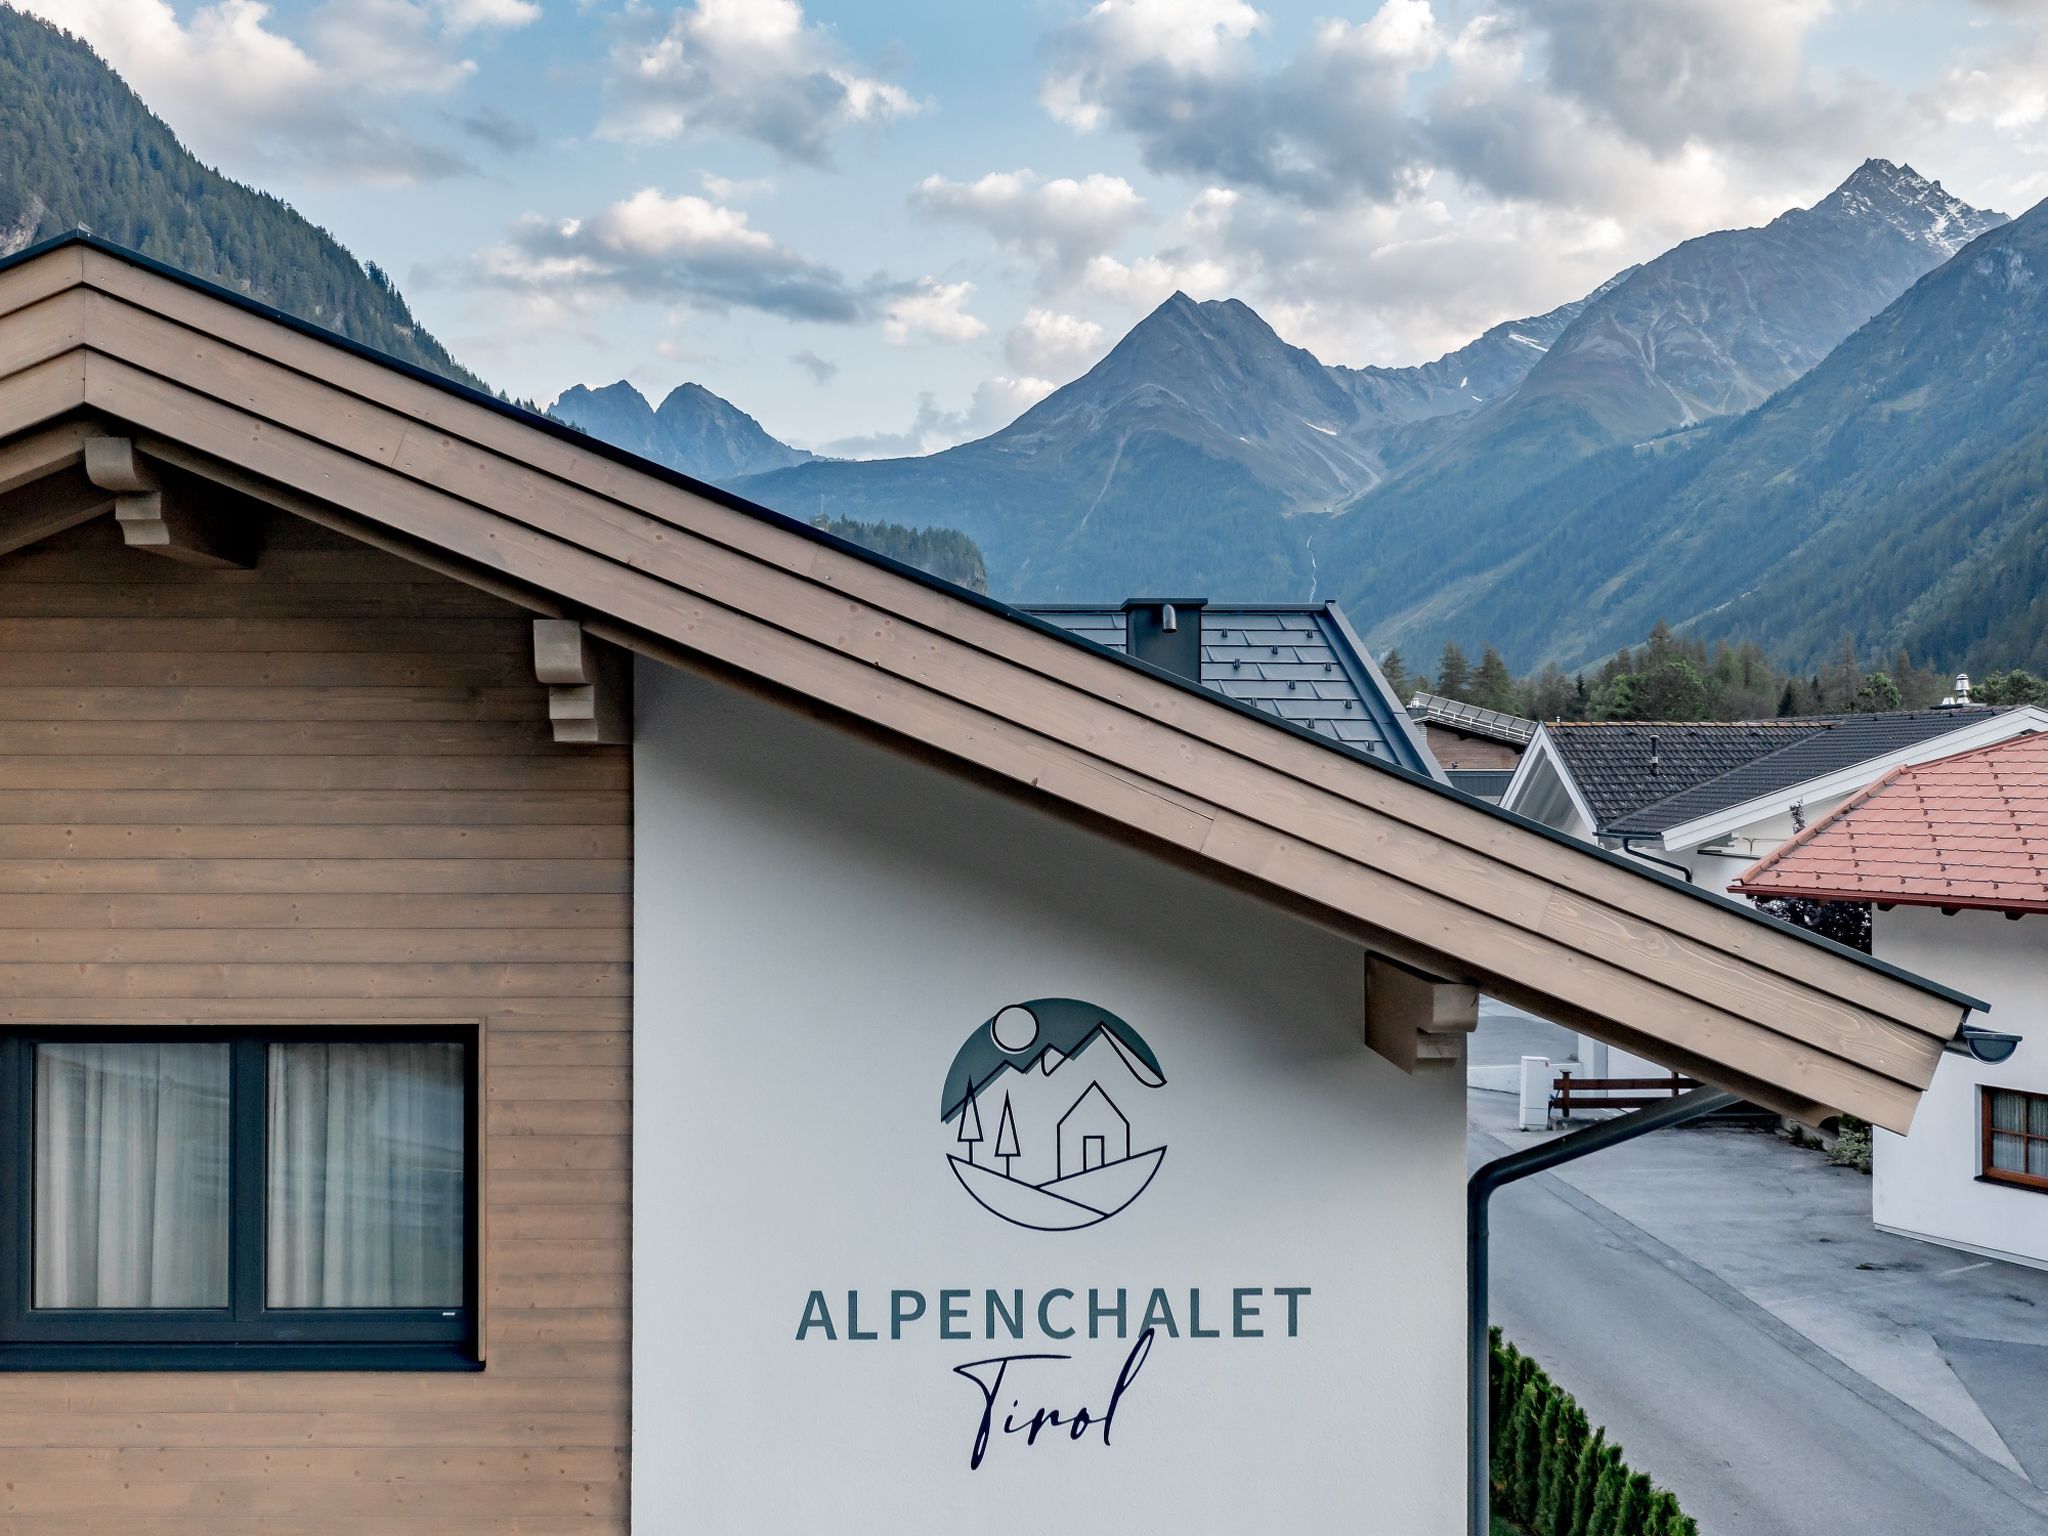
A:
[2016,1137]
[190,1198]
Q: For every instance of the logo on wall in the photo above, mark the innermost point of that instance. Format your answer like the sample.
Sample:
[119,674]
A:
[1045,1109]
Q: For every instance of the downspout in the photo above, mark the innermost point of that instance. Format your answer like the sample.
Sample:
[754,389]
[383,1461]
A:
[1489,1177]
[1628,847]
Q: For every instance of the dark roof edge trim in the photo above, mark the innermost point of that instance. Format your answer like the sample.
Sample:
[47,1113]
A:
[740,504]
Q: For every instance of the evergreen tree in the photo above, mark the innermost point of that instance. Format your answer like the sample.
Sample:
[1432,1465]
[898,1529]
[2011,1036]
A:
[1453,673]
[1494,685]
[1604,1502]
[1400,682]
[1585,1478]
[1556,1495]
[1538,1400]
[1633,1512]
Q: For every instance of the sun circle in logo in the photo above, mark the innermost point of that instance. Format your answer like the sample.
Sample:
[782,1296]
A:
[1044,1111]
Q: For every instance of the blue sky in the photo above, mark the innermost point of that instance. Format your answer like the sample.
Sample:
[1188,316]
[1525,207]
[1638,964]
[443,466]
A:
[885,227]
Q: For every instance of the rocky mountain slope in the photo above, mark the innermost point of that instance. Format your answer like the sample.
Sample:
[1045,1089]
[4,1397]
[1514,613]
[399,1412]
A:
[1185,460]
[1711,328]
[694,431]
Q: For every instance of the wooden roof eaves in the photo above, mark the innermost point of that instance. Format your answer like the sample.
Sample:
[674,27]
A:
[437,463]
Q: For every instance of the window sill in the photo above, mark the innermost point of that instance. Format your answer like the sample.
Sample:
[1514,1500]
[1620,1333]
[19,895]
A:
[237,1357]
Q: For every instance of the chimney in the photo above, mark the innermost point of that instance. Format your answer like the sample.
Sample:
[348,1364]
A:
[1167,632]
[1962,687]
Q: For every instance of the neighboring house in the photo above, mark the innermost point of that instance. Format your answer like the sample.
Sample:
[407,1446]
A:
[1953,855]
[1479,748]
[489,926]
[1299,662]
[1705,799]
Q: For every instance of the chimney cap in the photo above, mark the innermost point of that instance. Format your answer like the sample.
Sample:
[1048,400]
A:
[1163,602]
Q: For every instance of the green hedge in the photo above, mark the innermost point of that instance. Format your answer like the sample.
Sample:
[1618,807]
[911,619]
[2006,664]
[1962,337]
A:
[1554,1474]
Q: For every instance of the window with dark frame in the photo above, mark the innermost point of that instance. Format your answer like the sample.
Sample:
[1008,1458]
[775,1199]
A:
[2015,1137]
[197,1198]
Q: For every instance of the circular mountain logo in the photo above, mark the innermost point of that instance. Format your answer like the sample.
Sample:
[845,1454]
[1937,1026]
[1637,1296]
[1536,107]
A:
[1043,1108]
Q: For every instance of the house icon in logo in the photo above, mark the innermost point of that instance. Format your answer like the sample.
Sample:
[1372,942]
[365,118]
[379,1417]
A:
[1093,1133]
[1039,1109]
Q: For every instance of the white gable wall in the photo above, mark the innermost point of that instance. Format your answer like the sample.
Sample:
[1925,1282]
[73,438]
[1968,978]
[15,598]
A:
[819,926]
[1926,1184]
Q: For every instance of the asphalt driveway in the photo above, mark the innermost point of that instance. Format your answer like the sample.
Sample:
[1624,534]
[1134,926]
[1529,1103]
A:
[1720,1300]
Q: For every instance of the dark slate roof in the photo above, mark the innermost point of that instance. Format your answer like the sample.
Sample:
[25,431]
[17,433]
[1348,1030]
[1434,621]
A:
[1622,766]
[1837,742]
[1299,661]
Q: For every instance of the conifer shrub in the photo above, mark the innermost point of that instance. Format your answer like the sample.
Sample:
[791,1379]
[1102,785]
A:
[1553,1474]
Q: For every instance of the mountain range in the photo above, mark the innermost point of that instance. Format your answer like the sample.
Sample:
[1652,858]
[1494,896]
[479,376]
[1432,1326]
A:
[694,430]
[1825,427]
[1205,454]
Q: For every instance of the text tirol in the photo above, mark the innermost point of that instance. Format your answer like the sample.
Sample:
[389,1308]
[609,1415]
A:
[1238,1312]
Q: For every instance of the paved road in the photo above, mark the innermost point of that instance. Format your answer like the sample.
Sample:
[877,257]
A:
[1758,1431]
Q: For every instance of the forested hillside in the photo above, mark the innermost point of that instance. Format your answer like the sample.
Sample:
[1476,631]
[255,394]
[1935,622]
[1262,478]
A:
[1896,496]
[78,149]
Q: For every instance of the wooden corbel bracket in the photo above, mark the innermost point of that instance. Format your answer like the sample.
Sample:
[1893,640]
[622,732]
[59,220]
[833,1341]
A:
[157,517]
[1417,1022]
[590,683]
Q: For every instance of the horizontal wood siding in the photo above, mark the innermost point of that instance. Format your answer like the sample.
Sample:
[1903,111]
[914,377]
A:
[325,790]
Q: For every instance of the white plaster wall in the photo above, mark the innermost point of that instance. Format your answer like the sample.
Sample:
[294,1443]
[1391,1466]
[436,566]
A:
[819,925]
[1926,1183]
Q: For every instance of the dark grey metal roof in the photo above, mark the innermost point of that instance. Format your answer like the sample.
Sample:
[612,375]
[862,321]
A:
[1456,715]
[1621,766]
[1300,662]
[1837,742]
[1487,784]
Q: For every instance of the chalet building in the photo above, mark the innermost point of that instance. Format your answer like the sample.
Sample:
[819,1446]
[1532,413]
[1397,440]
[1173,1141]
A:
[1478,748]
[1952,857]
[501,942]
[1705,799]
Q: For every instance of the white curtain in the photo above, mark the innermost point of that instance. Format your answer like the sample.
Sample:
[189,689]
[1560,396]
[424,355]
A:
[131,1175]
[365,1188]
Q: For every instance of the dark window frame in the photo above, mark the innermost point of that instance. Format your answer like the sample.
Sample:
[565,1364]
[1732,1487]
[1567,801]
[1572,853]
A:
[2007,1176]
[246,1334]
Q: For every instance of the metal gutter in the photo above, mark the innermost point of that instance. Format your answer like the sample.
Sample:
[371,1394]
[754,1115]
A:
[1489,1177]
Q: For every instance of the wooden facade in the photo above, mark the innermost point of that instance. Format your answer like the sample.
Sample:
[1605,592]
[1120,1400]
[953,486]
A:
[326,790]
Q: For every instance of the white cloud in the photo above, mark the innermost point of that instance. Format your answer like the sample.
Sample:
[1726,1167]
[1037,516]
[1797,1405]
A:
[752,69]
[2006,88]
[475,15]
[1047,342]
[996,403]
[1145,283]
[933,309]
[1185,82]
[683,249]
[725,190]
[244,93]
[1058,223]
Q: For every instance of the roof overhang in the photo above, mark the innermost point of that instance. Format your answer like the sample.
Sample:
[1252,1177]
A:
[208,385]
[1846,781]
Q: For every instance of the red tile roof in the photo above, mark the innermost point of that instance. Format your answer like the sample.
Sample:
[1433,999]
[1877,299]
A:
[1963,831]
